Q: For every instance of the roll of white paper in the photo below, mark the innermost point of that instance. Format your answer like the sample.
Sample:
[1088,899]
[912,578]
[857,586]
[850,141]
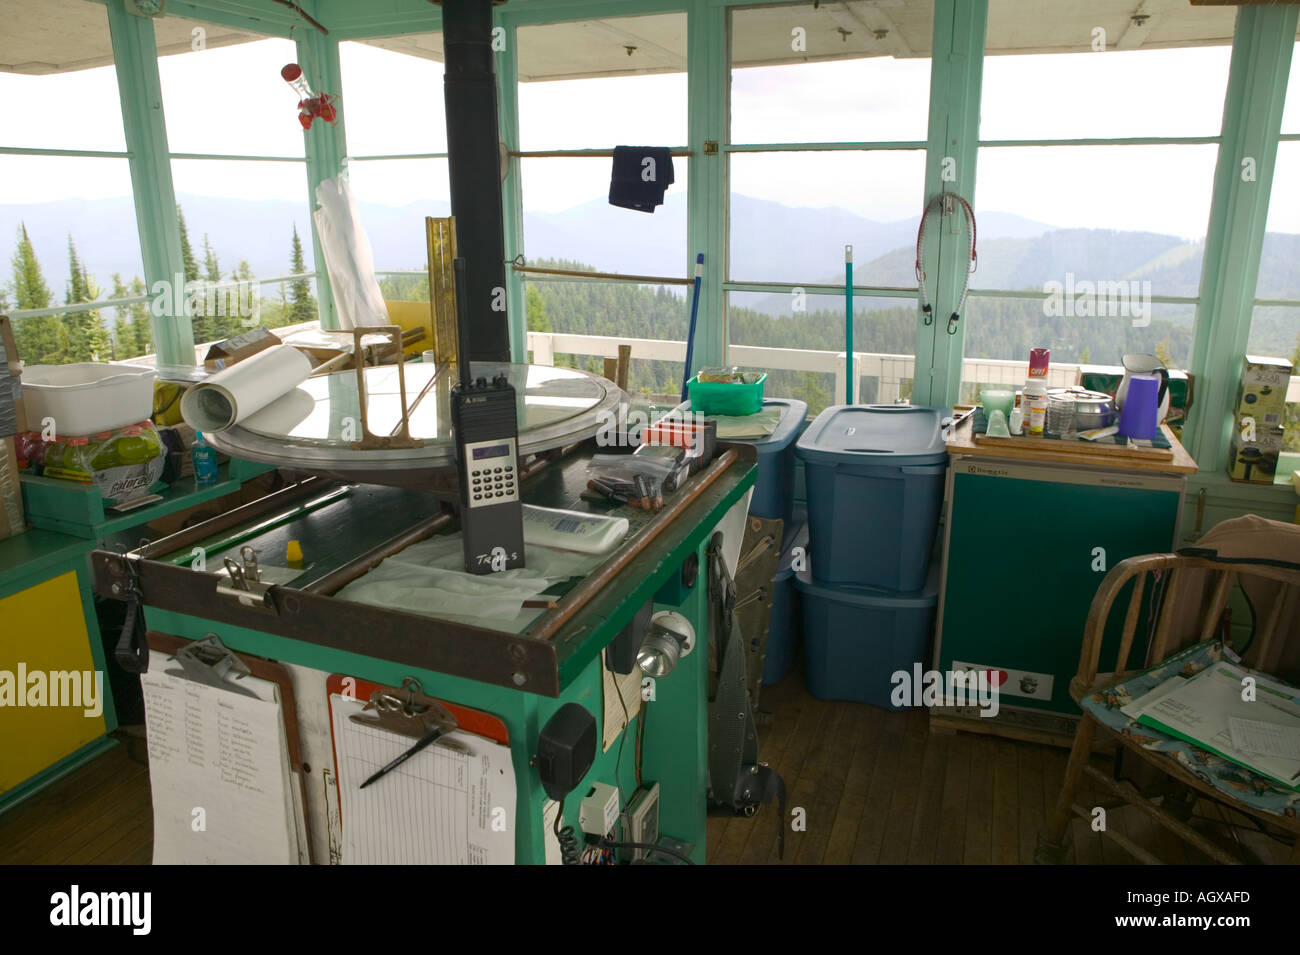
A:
[230,396]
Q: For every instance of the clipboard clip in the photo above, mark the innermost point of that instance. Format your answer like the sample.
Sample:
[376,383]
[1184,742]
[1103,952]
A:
[408,712]
[242,583]
[210,662]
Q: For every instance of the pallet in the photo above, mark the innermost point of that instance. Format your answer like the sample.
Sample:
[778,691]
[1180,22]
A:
[1023,726]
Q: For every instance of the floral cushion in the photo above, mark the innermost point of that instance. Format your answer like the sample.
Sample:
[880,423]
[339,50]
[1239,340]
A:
[1256,791]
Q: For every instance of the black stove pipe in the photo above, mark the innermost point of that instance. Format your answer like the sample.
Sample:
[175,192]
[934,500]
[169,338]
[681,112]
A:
[473,156]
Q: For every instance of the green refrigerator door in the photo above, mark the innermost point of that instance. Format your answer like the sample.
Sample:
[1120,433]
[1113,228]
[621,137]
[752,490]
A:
[1027,547]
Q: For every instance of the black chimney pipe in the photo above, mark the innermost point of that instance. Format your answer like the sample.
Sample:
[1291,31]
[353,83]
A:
[473,156]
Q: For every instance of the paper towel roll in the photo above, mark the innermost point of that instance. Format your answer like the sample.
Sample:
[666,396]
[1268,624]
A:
[229,396]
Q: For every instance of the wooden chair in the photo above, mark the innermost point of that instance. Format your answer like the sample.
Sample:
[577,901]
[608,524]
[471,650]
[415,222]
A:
[1266,651]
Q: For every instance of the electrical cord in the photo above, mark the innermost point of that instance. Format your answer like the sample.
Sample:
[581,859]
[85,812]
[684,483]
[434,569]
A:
[627,720]
[570,848]
[604,843]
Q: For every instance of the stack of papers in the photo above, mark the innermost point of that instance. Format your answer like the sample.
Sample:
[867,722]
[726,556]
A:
[1243,717]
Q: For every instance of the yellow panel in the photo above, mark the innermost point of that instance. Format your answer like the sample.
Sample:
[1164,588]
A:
[413,315]
[44,630]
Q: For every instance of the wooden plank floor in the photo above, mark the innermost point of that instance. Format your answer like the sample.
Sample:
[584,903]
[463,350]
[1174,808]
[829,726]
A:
[879,787]
[875,788]
[100,814]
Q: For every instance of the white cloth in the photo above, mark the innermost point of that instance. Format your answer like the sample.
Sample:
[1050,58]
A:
[429,578]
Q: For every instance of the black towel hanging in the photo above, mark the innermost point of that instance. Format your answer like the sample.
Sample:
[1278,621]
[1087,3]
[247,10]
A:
[640,176]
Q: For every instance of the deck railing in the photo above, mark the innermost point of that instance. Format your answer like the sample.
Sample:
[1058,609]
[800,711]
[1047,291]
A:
[891,372]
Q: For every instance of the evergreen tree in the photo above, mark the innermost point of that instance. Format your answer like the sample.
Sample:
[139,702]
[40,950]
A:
[41,340]
[81,326]
[141,327]
[302,307]
[248,292]
[190,265]
[535,309]
[202,331]
[211,268]
[121,343]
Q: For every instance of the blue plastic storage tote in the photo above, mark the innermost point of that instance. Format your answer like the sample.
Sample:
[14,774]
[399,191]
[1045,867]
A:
[774,483]
[783,624]
[855,640]
[874,475]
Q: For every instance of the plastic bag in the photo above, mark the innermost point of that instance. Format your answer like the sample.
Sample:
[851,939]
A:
[124,464]
[348,257]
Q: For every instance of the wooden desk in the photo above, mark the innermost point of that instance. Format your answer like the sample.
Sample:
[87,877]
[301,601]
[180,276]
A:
[962,440]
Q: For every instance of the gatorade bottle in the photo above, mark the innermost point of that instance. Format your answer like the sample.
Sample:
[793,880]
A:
[204,457]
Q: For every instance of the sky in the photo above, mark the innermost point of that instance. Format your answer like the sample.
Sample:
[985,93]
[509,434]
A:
[232,100]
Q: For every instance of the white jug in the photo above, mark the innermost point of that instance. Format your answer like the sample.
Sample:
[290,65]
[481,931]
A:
[1145,365]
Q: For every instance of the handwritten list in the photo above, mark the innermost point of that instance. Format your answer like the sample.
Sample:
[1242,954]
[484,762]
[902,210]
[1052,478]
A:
[219,770]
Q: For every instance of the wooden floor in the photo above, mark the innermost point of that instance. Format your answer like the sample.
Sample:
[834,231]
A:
[875,787]
[879,788]
[98,815]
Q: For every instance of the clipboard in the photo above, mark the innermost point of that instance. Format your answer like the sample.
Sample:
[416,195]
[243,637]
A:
[273,673]
[470,720]
[432,809]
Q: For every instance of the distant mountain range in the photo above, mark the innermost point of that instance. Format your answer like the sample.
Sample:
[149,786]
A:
[770,242]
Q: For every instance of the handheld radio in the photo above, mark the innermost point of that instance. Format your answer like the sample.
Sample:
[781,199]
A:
[486,430]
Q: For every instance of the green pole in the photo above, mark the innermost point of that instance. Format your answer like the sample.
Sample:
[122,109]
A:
[325,144]
[1252,118]
[706,83]
[135,59]
[956,74]
[506,64]
[848,324]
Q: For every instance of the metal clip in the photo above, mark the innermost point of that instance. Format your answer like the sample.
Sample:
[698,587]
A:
[952,323]
[250,563]
[410,714]
[240,584]
[210,662]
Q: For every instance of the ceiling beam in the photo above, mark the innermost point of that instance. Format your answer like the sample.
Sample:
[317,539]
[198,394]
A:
[868,16]
[1142,21]
[622,36]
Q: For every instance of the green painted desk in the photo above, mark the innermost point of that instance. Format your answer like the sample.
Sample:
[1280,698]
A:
[48,626]
[49,622]
[520,678]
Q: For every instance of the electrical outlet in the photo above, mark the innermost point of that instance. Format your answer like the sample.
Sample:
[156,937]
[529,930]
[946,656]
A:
[598,813]
[641,821]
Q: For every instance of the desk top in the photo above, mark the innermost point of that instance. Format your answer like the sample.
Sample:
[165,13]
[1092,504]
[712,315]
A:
[962,441]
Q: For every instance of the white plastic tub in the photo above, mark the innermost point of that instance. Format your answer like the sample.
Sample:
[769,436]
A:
[87,397]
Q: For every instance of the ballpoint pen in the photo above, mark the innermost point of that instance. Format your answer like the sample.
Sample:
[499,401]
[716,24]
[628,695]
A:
[420,744]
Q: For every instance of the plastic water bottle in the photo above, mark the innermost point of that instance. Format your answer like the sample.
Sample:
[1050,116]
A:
[204,457]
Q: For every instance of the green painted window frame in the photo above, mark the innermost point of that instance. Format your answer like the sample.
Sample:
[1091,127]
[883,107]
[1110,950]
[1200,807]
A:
[1257,87]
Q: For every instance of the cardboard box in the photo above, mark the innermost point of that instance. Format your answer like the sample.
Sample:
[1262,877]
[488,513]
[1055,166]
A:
[1255,462]
[234,350]
[1262,392]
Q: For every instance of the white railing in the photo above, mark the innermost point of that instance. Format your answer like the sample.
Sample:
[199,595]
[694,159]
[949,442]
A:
[890,370]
